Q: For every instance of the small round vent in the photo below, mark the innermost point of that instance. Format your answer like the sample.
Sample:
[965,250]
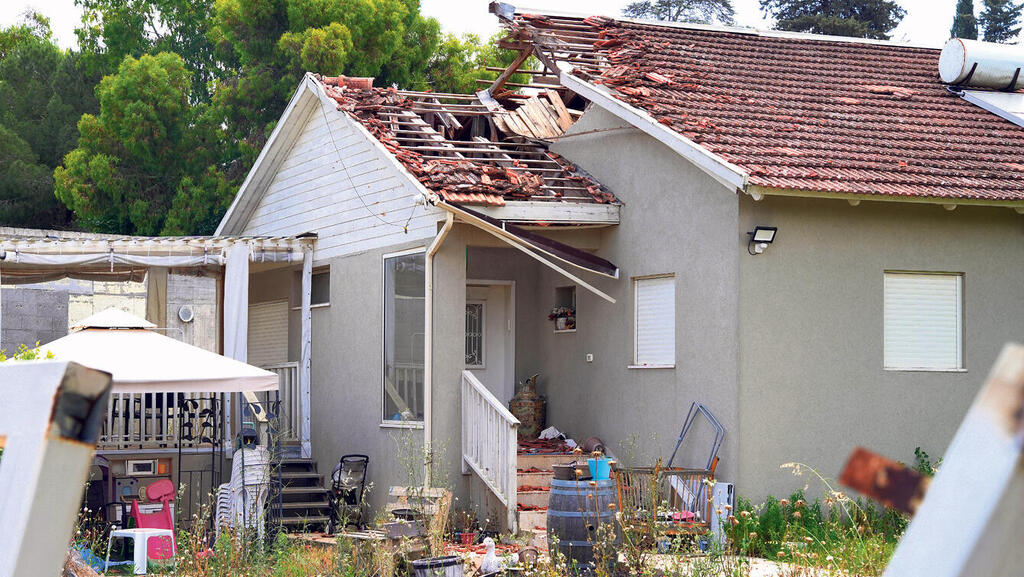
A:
[186,314]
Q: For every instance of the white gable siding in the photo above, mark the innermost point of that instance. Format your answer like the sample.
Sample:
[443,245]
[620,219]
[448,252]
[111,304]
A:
[358,203]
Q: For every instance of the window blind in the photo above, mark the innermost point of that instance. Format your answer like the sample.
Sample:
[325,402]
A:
[655,321]
[923,324]
[268,333]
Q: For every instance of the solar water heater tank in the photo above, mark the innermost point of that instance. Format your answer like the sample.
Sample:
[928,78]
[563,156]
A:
[982,64]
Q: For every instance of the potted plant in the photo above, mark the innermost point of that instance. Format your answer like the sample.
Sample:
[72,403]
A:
[564,317]
[465,524]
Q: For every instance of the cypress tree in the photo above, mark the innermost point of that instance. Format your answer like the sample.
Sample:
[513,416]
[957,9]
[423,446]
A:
[1001,20]
[965,25]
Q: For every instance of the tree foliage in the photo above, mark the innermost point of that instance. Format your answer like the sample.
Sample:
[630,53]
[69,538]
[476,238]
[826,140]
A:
[699,11]
[43,92]
[856,18]
[1001,20]
[134,158]
[965,24]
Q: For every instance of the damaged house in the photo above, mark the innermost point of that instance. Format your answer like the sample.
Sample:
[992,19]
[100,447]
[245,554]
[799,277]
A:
[815,237]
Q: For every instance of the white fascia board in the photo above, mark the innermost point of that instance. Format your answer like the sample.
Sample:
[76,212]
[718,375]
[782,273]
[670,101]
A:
[732,176]
[526,211]
[268,161]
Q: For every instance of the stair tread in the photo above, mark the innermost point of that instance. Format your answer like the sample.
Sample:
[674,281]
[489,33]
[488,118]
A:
[302,505]
[301,520]
[310,489]
[300,475]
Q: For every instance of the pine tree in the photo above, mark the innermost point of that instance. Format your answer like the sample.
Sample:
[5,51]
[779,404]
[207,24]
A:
[699,11]
[856,18]
[965,25]
[1001,20]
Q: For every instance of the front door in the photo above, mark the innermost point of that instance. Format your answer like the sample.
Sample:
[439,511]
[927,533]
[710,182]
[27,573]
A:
[490,337]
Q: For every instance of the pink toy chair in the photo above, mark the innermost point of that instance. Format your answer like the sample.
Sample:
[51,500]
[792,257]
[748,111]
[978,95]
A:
[162,491]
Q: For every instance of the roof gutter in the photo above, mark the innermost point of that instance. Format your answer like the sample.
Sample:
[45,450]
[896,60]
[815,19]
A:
[949,203]
[730,175]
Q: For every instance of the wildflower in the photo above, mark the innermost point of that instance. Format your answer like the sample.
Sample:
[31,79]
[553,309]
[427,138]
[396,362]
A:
[577,451]
[611,506]
[744,514]
[718,511]
[830,558]
[728,507]
[593,483]
[808,539]
[797,514]
[800,503]
[781,553]
[579,472]
[733,521]
[784,502]
[753,535]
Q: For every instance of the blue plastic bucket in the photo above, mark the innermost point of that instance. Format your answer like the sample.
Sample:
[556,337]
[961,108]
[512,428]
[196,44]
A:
[600,469]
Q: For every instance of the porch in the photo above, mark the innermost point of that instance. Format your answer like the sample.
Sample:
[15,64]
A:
[184,437]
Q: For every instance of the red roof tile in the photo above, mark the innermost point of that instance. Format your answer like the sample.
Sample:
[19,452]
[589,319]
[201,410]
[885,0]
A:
[804,114]
[469,171]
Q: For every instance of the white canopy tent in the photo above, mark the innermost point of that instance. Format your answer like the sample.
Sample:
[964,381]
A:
[143,361]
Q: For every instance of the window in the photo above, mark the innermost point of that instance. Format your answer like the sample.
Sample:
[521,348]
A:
[475,334]
[923,321]
[321,287]
[404,322]
[654,321]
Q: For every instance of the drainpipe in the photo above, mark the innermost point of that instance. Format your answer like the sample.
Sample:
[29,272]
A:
[428,345]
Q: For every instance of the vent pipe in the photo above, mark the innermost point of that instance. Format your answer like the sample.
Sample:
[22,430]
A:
[982,64]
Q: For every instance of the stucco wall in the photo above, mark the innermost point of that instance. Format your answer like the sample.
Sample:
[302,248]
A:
[345,391]
[812,379]
[676,219]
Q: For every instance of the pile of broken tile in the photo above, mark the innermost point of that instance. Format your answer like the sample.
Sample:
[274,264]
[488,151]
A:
[455,180]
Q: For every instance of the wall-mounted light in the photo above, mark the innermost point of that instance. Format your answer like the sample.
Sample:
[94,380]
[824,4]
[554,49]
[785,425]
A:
[760,238]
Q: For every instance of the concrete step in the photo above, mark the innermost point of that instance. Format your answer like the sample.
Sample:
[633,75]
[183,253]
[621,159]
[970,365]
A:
[315,520]
[544,461]
[534,478]
[535,498]
[532,520]
[302,505]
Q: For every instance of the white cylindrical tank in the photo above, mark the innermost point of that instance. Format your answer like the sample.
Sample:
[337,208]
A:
[996,64]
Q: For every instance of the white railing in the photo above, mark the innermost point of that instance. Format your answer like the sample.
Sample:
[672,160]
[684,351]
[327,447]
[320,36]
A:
[290,395]
[489,442]
[161,420]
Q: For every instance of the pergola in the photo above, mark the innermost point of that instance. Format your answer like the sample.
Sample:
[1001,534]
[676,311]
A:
[33,256]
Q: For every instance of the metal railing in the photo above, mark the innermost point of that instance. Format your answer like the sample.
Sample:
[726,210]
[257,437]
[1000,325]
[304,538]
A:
[489,442]
[161,420]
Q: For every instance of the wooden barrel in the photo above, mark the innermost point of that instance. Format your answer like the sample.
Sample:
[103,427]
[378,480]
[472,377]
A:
[575,511]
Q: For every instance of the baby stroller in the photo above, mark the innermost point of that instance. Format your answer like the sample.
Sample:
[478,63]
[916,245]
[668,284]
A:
[348,481]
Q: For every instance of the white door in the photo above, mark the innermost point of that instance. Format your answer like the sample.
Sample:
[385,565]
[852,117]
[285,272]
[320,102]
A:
[490,337]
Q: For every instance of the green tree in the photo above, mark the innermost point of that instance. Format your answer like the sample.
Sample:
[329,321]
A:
[457,64]
[26,187]
[146,147]
[965,25]
[856,18]
[42,94]
[700,11]
[114,29]
[267,45]
[1001,20]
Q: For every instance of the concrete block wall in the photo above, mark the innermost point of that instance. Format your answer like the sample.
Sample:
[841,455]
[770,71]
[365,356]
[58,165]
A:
[31,315]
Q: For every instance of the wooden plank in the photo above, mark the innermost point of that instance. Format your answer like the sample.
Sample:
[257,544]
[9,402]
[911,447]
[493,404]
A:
[543,124]
[504,76]
[564,120]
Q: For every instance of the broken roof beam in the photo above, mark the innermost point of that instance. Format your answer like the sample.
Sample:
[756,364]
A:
[504,76]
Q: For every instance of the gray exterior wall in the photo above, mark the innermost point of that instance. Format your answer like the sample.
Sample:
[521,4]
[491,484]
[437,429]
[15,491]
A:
[675,219]
[811,371]
[32,315]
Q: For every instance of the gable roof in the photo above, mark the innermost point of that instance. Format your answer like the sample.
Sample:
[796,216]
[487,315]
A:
[791,113]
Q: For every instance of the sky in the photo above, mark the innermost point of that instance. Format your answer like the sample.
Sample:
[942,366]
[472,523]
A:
[927,21]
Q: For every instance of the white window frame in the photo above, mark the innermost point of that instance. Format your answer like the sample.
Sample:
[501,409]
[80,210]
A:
[961,367]
[326,269]
[636,364]
[390,423]
[483,334]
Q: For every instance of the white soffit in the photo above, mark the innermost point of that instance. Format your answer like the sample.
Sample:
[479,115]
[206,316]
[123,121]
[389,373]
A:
[1009,105]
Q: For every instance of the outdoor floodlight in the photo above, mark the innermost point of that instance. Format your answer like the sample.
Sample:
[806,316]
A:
[760,238]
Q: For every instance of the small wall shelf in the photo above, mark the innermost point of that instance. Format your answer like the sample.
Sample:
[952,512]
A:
[565,304]
[557,331]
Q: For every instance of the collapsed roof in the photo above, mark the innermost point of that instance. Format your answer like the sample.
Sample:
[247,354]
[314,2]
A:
[794,112]
[472,151]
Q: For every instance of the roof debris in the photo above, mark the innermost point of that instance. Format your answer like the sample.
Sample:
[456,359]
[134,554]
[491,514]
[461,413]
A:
[437,138]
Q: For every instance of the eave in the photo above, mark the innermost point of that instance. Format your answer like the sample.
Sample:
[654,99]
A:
[949,203]
[546,212]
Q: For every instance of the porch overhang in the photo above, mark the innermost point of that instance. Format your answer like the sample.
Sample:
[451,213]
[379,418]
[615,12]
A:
[541,248]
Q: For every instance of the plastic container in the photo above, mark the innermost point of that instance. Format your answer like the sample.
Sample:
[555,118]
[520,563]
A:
[447,566]
[600,468]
